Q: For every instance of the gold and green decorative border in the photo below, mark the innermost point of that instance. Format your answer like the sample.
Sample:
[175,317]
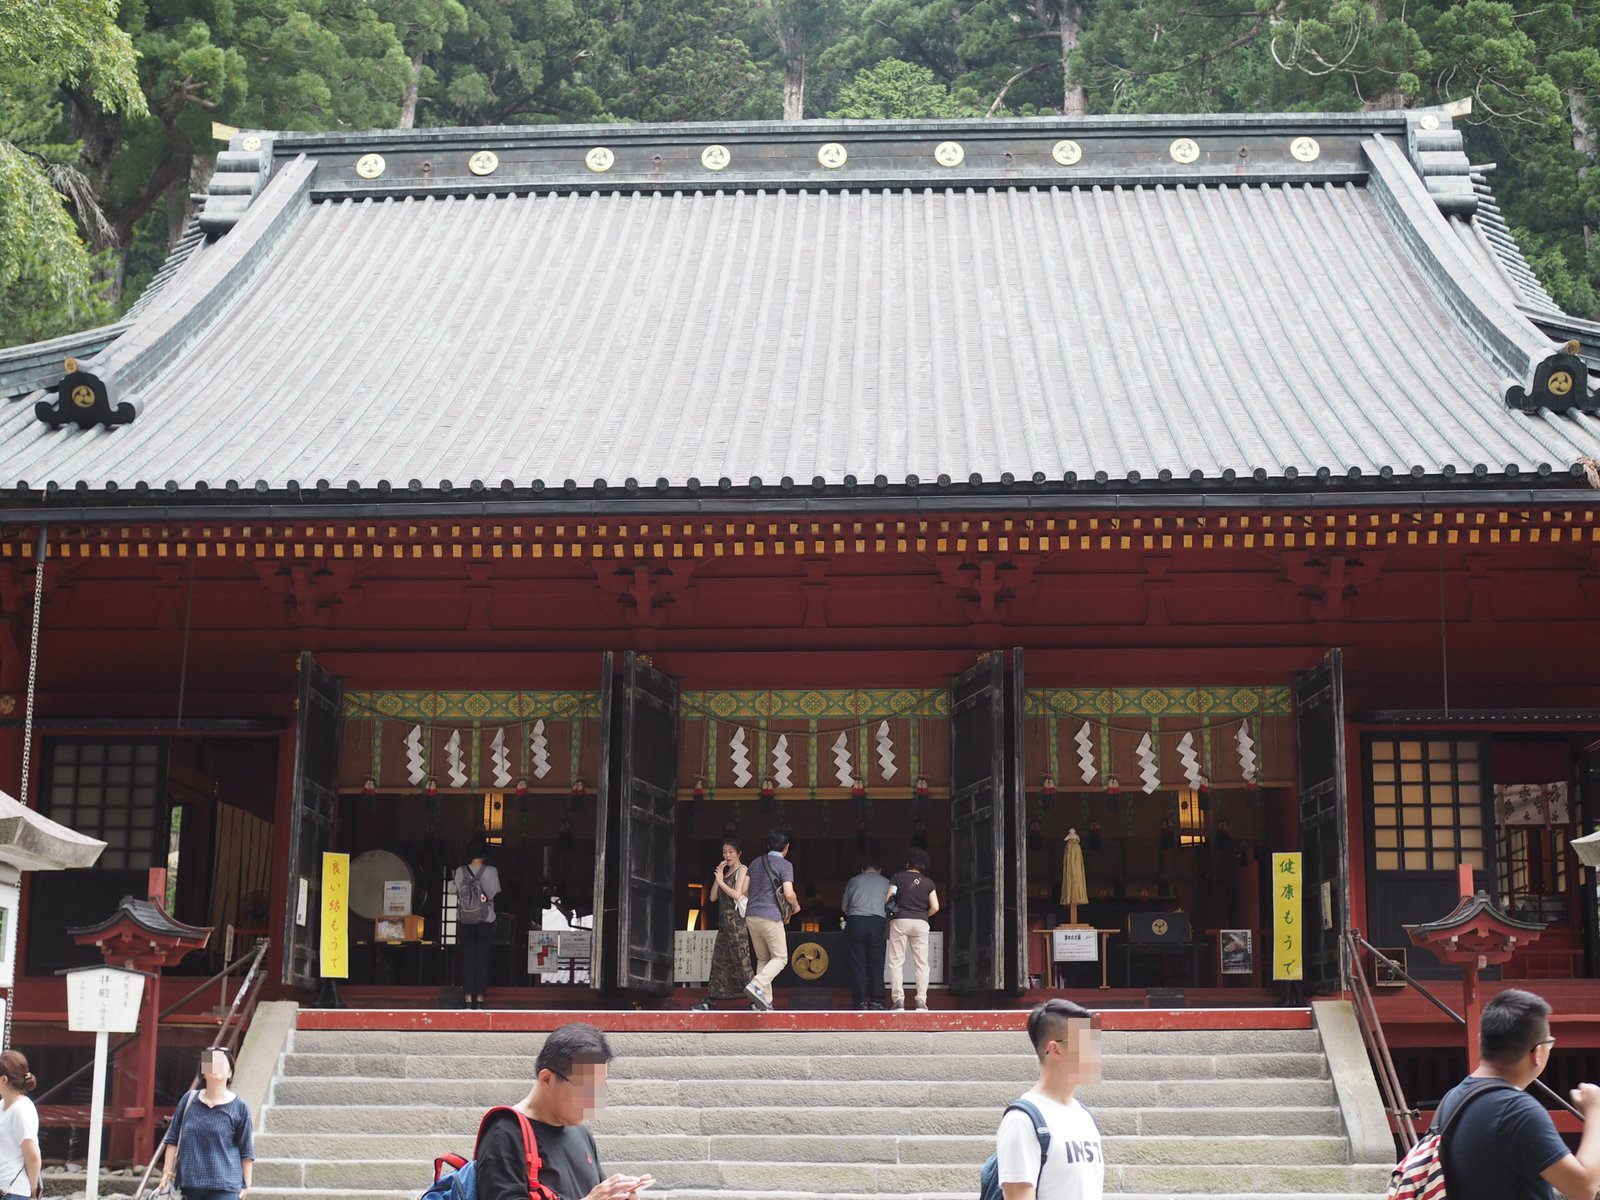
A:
[865,704]
[434,707]
[1160,702]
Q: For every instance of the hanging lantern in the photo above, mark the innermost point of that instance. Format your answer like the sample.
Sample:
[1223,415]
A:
[1093,839]
[768,790]
[522,786]
[1169,837]
[1252,792]
[430,786]
[1203,794]
[1113,792]
[370,787]
[699,789]
[858,795]
[919,798]
[1047,793]
[576,797]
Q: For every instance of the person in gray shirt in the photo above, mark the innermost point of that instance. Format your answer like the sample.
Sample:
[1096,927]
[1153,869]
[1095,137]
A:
[866,932]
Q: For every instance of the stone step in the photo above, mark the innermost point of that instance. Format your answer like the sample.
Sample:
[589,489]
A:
[828,1177]
[1248,1042]
[265,1193]
[628,1093]
[868,1067]
[974,1148]
[419,1120]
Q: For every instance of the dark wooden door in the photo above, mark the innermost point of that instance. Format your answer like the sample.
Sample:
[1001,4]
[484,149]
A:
[979,844]
[636,829]
[316,770]
[1324,824]
[1016,890]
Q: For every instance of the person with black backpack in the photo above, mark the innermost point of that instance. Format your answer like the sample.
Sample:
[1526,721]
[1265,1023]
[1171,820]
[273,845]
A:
[477,884]
[1048,1145]
[1496,1142]
[570,1077]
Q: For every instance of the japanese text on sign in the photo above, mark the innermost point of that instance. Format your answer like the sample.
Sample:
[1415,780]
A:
[1288,917]
[335,916]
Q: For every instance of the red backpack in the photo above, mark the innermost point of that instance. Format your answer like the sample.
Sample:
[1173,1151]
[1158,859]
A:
[1420,1174]
[456,1178]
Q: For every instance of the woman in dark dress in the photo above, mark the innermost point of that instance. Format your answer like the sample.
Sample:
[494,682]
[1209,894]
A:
[732,962]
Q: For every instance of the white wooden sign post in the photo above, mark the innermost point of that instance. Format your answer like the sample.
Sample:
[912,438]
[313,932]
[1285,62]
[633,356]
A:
[101,1001]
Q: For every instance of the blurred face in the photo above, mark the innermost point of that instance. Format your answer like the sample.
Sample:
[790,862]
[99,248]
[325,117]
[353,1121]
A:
[1078,1053]
[579,1095]
[214,1067]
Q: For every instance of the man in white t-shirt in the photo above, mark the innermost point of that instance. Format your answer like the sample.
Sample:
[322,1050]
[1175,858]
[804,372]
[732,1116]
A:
[1066,1038]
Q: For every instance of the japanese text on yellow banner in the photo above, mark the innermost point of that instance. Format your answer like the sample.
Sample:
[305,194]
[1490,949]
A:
[335,916]
[1288,917]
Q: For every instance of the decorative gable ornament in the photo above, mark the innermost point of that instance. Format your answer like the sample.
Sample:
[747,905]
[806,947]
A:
[1560,383]
[84,400]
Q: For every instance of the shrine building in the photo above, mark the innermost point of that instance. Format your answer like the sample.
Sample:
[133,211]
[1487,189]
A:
[1215,487]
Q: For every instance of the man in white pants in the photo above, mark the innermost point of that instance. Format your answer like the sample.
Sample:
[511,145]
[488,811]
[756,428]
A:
[1067,1040]
[916,903]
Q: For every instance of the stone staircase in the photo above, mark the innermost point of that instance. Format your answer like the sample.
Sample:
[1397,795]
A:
[737,1115]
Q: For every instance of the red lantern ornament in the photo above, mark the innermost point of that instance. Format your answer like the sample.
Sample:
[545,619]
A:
[370,787]
[922,787]
[522,786]
[1113,791]
[430,787]
[699,788]
[1048,787]
[767,790]
[578,790]
[1203,794]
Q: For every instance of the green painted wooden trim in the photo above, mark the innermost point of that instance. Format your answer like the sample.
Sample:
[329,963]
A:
[815,705]
[1159,702]
[467,707]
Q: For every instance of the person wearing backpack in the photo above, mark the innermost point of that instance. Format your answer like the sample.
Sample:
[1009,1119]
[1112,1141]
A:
[770,903]
[1503,1145]
[477,884]
[1048,1145]
[569,1078]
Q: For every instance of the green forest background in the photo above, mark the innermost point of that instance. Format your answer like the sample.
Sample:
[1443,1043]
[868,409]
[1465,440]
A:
[106,108]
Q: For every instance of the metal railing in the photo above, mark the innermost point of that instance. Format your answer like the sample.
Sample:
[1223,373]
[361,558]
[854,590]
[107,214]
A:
[228,1034]
[1366,1008]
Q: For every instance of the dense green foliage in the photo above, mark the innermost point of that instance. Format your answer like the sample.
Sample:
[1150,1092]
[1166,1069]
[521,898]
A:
[99,151]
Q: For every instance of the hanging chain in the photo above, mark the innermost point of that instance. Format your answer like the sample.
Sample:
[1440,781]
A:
[27,739]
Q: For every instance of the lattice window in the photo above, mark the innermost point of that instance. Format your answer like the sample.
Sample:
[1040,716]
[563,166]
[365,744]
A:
[114,791]
[1427,803]
[447,910]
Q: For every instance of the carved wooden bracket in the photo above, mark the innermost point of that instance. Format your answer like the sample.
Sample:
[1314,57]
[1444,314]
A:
[985,584]
[645,590]
[1330,580]
[313,589]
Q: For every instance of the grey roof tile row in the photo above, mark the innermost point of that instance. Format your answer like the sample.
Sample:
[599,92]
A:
[1140,332]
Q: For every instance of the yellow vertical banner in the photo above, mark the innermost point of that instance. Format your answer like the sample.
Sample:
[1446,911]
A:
[1288,917]
[335,916]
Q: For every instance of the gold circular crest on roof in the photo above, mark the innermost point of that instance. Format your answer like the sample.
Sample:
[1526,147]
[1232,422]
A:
[1428,121]
[809,960]
[1184,150]
[714,158]
[251,143]
[949,154]
[484,162]
[1067,153]
[1559,383]
[83,396]
[599,159]
[832,155]
[370,166]
[1305,149]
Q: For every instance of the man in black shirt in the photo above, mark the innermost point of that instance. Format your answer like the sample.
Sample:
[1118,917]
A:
[1505,1147]
[569,1078]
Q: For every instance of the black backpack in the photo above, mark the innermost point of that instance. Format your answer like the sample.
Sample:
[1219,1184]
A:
[989,1178]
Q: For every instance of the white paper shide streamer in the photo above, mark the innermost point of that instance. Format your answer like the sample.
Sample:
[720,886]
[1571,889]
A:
[500,758]
[740,758]
[886,763]
[1247,751]
[539,751]
[416,761]
[841,761]
[782,769]
[1191,762]
[455,761]
[1147,765]
[1085,742]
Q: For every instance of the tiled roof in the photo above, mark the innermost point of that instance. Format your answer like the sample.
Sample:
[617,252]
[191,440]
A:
[1132,326]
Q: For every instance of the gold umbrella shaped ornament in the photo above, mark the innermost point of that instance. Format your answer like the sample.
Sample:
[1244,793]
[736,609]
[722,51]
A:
[1074,881]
